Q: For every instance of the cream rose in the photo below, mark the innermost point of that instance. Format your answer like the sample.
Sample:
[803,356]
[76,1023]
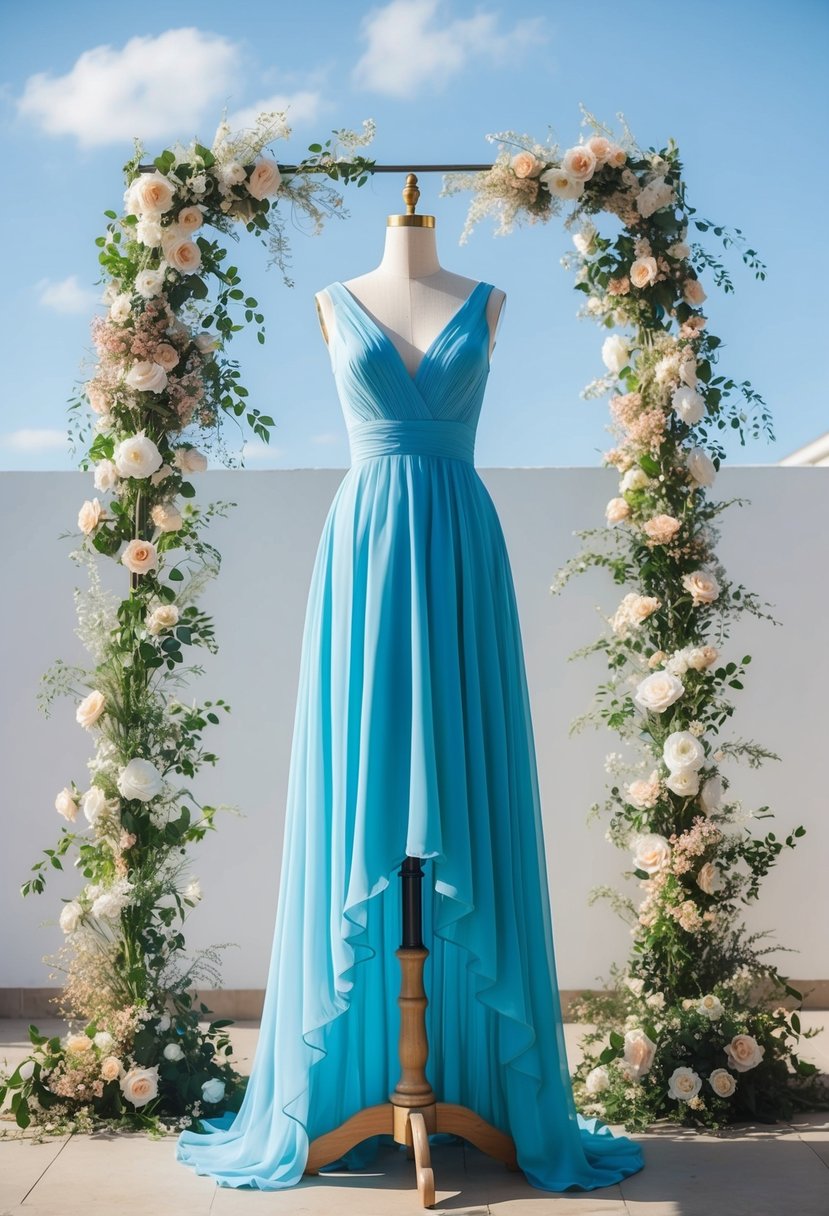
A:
[180,252]
[661,529]
[140,1085]
[146,377]
[617,510]
[642,793]
[190,218]
[681,749]
[140,779]
[166,517]
[136,456]
[684,1084]
[688,404]
[643,272]
[639,1054]
[111,1068]
[167,356]
[651,852]
[658,691]
[684,782]
[140,556]
[701,467]
[710,1006]
[90,709]
[703,587]
[524,164]
[744,1052]
[709,878]
[700,657]
[722,1082]
[94,804]
[78,1044]
[90,515]
[106,475]
[66,805]
[265,178]
[190,460]
[165,616]
[562,184]
[615,353]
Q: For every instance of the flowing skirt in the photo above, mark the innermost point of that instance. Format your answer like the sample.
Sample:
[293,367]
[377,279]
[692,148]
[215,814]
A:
[412,735]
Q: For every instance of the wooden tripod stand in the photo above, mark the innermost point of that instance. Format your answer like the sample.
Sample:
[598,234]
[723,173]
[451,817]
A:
[412,1112]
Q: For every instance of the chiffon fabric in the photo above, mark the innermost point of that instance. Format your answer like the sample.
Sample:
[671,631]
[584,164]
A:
[412,735]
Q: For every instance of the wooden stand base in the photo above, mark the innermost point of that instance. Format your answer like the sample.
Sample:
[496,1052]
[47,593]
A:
[412,1112]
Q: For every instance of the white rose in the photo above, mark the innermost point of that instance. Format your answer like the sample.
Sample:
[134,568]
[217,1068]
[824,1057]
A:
[638,1055]
[615,353]
[66,805]
[684,782]
[562,184]
[166,518]
[213,1090]
[94,804]
[722,1082]
[173,1051]
[744,1052]
[149,283]
[688,371]
[657,691]
[597,1080]
[165,616]
[120,308]
[137,456]
[688,404]
[147,377]
[140,556]
[711,794]
[190,460]
[681,749]
[684,1084]
[148,232]
[265,178]
[701,467]
[106,475]
[634,479]
[90,709]
[703,587]
[140,1085]
[70,916]
[709,878]
[151,193]
[710,1006]
[103,1040]
[652,852]
[140,779]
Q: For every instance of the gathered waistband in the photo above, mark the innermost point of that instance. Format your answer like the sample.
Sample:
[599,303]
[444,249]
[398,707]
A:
[416,436]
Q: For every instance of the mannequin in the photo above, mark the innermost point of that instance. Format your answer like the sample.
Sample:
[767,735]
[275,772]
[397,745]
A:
[410,295]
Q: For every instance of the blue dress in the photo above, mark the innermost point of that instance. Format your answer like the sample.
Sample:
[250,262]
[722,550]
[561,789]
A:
[412,735]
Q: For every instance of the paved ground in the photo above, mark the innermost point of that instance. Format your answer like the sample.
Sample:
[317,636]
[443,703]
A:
[753,1170]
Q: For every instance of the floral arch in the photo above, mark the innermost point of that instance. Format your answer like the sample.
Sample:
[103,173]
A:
[693,1027]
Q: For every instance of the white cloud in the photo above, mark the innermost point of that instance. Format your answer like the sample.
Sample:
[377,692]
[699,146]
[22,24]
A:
[262,451]
[35,439]
[408,48]
[67,295]
[151,88]
[300,107]
[327,437]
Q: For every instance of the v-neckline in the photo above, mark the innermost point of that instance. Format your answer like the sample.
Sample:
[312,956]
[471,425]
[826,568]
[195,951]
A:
[427,354]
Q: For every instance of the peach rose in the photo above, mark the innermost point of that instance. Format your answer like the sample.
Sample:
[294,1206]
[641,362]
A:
[150,192]
[642,793]
[524,164]
[639,1054]
[111,1068]
[661,529]
[601,148]
[579,162]
[744,1052]
[140,1085]
[166,517]
[643,272]
[190,218]
[166,355]
[616,510]
[265,178]
[140,556]
[180,252]
[693,291]
[90,515]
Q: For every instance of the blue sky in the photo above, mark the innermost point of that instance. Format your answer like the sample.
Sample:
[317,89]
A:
[736,84]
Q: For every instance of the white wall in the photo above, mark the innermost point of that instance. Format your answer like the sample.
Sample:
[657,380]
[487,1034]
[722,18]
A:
[776,545]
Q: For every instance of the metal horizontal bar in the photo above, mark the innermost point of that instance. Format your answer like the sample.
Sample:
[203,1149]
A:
[371,169]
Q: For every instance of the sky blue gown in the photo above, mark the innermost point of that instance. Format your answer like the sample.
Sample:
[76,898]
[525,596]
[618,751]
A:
[412,735]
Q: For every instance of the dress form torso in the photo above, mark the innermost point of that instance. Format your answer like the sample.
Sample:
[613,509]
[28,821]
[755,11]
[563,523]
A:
[410,296]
